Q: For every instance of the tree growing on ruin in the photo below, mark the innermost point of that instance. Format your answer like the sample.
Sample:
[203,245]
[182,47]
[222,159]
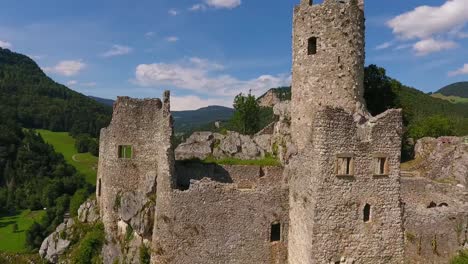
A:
[246,118]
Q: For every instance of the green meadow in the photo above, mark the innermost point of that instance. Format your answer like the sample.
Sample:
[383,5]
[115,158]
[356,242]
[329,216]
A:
[15,241]
[63,143]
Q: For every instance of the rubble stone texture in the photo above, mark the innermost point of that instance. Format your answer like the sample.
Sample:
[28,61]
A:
[304,213]
[331,126]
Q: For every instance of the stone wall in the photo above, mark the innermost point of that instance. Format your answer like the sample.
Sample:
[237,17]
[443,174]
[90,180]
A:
[126,187]
[436,220]
[443,159]
[326,217]
[225,219]
[334,75]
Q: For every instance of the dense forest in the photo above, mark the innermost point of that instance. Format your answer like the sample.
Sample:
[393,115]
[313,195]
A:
[38,102]
[32,175]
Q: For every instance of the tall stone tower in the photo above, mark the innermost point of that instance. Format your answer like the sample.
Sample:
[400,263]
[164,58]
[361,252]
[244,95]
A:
[345,180]
[328,61]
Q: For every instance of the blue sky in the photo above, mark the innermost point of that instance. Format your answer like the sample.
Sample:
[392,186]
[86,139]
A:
[206,51]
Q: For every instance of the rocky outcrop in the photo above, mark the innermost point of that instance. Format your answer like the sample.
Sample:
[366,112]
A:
[274,139]
[442,159]
[56,243]
[88,212]
[269,99]
[199,145]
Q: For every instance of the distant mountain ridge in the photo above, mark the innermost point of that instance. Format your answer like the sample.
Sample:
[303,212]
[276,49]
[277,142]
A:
[459,89]
[190,119]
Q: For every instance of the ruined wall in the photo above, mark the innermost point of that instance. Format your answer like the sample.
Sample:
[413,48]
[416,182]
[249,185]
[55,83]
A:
[126,186]
[436,220]
[326,216]
[224,219]
[332,76]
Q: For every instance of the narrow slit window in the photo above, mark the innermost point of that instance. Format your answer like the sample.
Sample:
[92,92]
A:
[367,213]
[345,166]
[381,166]
[125,152]
[312,46]
[275,234]
[99,187]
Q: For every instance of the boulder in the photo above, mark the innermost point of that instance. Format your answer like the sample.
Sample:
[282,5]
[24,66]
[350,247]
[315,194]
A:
[250,150]
[263,142]
[283,110]
[56,243]
[88,212]
[231,143]
[198,146]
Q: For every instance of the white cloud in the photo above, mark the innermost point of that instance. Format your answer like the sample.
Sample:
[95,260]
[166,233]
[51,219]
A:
[67,67]
[218,4]
[72,83]
[172,39]
[173,12]
[403,46]
[385,45]
[462,71]
[431,45]
[229,4]
[462,35]
[191,102]
[117,50]
[5,44]
[198,7]
[425,21]
[204,76]
[150,34]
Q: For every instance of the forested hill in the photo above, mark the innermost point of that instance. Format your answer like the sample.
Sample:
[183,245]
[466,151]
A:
[424,115]
[36,101]
[459,89]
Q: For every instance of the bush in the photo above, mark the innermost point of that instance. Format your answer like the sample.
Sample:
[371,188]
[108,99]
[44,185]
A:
[89,248]
[78,199]
[145,256]
[433,126]
[461,258]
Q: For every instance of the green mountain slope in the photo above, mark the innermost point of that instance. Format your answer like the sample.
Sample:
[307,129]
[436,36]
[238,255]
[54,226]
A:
[37,101]
[459,89]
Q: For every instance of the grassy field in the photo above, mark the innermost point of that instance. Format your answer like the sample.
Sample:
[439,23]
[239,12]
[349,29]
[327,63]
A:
[63,143]
[452,99]
[15,241]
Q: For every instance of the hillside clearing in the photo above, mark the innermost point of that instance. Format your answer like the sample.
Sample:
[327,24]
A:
[16,241]
[63,143]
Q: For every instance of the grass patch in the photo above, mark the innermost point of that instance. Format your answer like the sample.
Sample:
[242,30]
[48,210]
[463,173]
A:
[461,258]
[63,143]
[267,161]
[452,99]
[15,242]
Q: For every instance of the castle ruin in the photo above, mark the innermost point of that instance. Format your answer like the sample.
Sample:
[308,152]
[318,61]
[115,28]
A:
[337,201]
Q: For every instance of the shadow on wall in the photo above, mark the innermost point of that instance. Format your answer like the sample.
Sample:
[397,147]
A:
[188,170]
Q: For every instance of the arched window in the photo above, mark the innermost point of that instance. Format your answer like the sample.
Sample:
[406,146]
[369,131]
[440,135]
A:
[367,213]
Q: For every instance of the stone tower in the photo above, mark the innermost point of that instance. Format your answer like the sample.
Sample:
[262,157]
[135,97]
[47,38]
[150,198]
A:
[328,61]
[345,180]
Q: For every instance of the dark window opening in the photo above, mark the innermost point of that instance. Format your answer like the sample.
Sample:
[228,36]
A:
[367,213]
[99,187]
[339,59]
[345,166]
[381,166]
[125,152]
[275,234]
[312,46]
[311,2]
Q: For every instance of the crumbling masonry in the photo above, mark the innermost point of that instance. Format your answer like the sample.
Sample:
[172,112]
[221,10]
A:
[337,201]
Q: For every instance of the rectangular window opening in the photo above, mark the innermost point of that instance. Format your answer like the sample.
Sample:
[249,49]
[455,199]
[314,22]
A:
[381,167]
[125,152]
[345,166]
[275,234]
[312,46]
[99,187]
